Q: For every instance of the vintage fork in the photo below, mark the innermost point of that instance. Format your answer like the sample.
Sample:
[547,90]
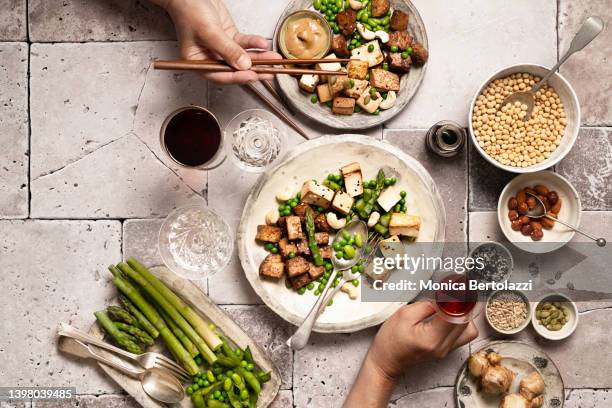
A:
[145,360]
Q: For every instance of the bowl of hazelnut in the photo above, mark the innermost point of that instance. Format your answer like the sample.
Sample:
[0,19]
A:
[518,200]
[502,136]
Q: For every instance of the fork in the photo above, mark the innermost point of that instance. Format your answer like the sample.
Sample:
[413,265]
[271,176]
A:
[145,360]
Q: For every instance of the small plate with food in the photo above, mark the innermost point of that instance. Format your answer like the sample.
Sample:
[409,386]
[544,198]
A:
[386,42]
[509,374]
[287,234]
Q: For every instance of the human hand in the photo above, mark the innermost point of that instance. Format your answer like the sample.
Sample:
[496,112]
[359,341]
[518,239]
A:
[206,30]
[409,337]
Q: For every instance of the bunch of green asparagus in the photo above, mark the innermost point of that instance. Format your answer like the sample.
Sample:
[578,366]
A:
[149,309]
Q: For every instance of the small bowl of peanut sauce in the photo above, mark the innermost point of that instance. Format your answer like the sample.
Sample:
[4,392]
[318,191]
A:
[305,34]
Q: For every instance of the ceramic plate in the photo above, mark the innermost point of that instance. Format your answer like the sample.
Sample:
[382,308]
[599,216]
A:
[410,81]
[314,160]
[210,311]
[521,358]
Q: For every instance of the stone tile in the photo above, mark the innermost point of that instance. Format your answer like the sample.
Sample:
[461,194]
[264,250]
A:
[83,96]
[486,182]
[494,33]
[589,69]
[140,240]
[82,20]
[588,398]
[270,332]
[284,399]
[91,401]
[120,180]
[13,20]
[588,166]
[57,275]
[450,175]
[14,130]
[15,404]
[250,17]
[439,398]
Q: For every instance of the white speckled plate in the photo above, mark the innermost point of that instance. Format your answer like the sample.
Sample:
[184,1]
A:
[409,84]
[207,308]
[315,159]
[521,358]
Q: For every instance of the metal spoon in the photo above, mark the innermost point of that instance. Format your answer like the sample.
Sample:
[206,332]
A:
[589,30]
[300,337]
[159,384]
[539,211]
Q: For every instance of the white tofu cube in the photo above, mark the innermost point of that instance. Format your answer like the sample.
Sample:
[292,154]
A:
[373,57]
[342,202]
[389,197]
[359,86]
[391,246]
[404,224]
[350,168]
[317,194]
[354,184]
[309,82]
[368,103]
[330,66]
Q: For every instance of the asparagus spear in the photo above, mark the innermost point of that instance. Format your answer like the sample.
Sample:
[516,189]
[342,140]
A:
[142,320]
[193,350]
[175,347]
[142,336]
[117,335]
[119,314]
[198,324]
[168,307]
[312,242]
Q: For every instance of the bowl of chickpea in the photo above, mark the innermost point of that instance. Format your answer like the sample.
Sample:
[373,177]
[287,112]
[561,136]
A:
[501,135]
[538,235]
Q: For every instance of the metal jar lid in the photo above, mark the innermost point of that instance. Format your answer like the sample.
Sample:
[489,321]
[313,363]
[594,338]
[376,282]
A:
[445,138]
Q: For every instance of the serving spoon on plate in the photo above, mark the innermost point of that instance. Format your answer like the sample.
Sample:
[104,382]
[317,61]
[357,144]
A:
[539,211]
[589,30]
[300,337]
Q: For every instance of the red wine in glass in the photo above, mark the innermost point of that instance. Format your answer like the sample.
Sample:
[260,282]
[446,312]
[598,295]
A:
[458,300]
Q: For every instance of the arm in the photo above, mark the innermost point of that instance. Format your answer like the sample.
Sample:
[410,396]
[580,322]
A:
[411,336]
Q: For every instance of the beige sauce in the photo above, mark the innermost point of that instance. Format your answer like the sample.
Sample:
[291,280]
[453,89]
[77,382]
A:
[306,38]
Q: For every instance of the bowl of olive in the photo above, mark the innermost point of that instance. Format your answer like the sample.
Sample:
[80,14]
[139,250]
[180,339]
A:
[555,317]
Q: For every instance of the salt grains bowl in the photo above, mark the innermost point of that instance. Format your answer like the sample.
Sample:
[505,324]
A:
[532,146]
[508,311]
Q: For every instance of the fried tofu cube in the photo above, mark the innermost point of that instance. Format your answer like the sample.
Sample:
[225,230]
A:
[342,202]
[317,194]
[286,247]
[296,266]
[404,224]
[336,84]
[321,223]
[357,69]
[373,57]
[355,91]
[326,251]
[343,106]
[300,281]
[399,20]
[322,238]
[315,272]
[268,233]
[329,66]
[294,228]
[303,248]
[353,179]
[324,93]
[309,82]
[384,80]
[369,103]
[389,197]
[272,267]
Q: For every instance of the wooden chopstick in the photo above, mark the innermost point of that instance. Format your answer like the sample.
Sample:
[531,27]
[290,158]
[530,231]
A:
[195,66]
[269,61]
[268,85]
[278,112]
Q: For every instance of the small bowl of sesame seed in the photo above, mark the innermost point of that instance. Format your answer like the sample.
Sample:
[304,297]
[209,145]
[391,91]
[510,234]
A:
[502,137]
[508,311]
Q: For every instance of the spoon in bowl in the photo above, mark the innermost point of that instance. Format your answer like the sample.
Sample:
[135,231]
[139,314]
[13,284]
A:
[300,337]
[539,211]
[589,30]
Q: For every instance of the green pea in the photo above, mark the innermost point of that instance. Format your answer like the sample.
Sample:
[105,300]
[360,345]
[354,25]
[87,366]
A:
[355,282]
[317,4]
[370,47]
[291,255]
[336,29]
[339,3]
[354,268]
[189,390]
[339,254]
[409,50]
[405,55]
[358,240]
[398,208]
[351,83]
[327,274]
[387,182]
[323,9]
[373,92]
[337,246]
[403,193]
[217,393]
[268,246]
[314,99]
[357,109]
[334,284]
[349,252]
[317,292]
[244,394]
[393,180]
[274,250]
[310,286]
[301,290]
[367,77]
[386,68]
[329,266]
[195,387]
[394,48]
[331,302]
[346,235]
[376,112]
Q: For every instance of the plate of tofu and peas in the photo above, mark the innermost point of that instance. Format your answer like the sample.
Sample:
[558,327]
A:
[291,231]
[382,45]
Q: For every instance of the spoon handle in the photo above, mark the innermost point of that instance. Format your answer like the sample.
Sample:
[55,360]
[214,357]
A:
[574,228]
[302,334]
[589,30]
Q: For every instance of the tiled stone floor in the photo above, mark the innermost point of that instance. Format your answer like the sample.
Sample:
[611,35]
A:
[83,181]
